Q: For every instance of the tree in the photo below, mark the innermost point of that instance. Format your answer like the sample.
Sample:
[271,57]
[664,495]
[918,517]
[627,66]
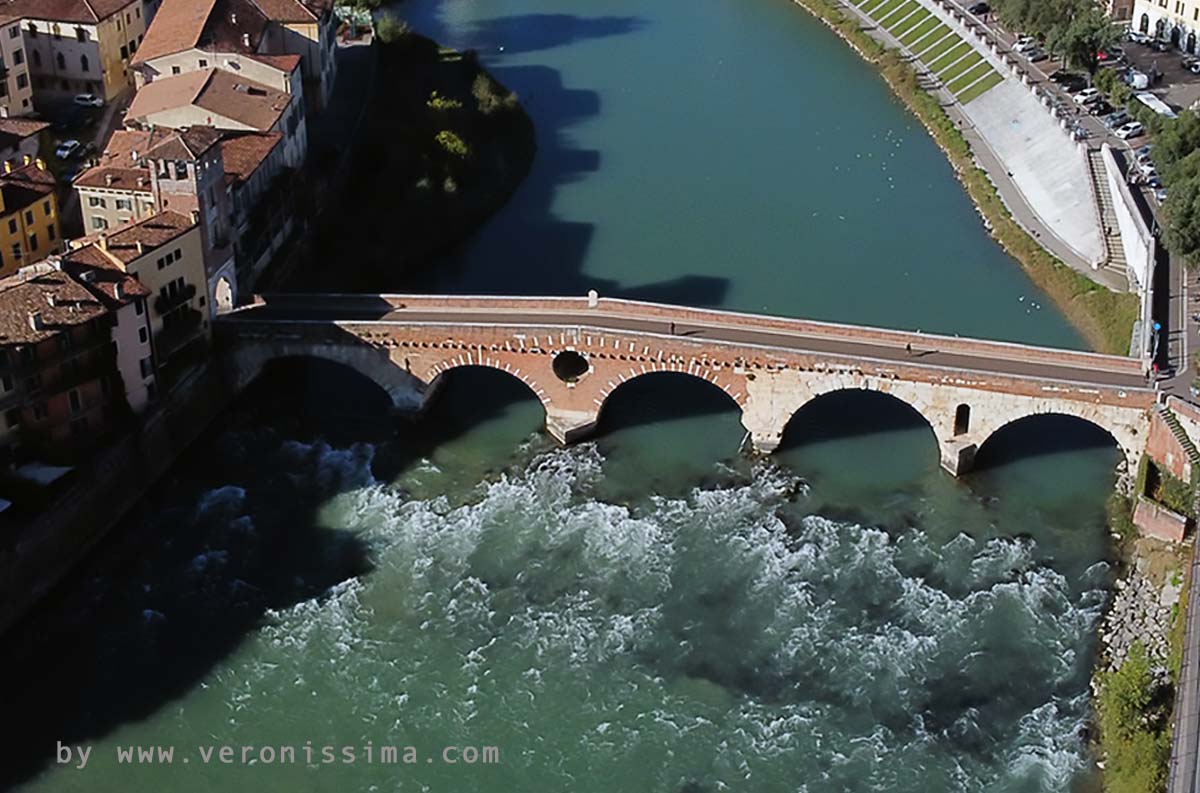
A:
[1088,32]
[389,29]
[1182,211]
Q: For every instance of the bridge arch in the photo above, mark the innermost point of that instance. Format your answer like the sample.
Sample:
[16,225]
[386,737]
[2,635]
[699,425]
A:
[708,376]
[404,390]
[1125,441]
[693,381]
[435,372]
[825,396]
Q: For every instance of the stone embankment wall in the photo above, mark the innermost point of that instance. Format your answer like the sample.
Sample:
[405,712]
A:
[43,551]
[1141,611]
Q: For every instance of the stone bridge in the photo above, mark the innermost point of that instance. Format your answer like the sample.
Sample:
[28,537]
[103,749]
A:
[573,353]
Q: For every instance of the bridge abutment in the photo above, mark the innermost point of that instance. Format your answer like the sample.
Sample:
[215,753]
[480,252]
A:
[957,456]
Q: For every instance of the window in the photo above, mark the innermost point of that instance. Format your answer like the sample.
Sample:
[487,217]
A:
[162,262]
[28,217]
[6,383]
[147,365]
[97,201]
[61,60]
[76,402]
[33,243]
[124,204]
[143,337]
[83,62]
[99,223]
[139,307]
[203,64]
[12,226]
[18,57]
[32,31]
[50,232]
[178,254]
[124,51]
[81,34]
[23,82]
[175,70]
[13,32]
[16,251]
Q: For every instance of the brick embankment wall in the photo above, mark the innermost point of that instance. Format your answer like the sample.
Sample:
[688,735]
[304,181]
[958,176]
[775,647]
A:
[43,552]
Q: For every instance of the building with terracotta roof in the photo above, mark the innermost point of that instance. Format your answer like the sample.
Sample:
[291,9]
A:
[59,385]
[20,137]
[29,225]
[128,301]
[221,99]
[78,46]
[185,30]
[218,174]
[165,253]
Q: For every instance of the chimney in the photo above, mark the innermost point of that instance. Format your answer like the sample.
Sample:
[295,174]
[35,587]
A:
[35,321]
[246,39]
[102,242]
[141,181]
[141,247]
[108,179]
[119,290]
[233,19]
[8,166]
[196,216]
[40,163]
[26,158]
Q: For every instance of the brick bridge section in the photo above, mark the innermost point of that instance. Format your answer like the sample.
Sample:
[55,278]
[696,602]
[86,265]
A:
[573,353]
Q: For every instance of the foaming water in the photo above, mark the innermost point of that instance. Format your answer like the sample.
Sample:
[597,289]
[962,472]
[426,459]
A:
[726,639]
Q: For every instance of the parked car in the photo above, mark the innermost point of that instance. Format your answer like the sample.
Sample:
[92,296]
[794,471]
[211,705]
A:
[1194,68]
[1117,119]
[88,100]
[1087,96]
[1033,56]
[1138,37]
[1137,80]
[67,149]
[1160,194]
[1131,130]
[979,8]
[1143,154]
[1069,82]
[1158,45]
[1101,108]
[1025,44]
[1146,168]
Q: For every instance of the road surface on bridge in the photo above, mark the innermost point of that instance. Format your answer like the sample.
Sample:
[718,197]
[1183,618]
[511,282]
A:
[529,315]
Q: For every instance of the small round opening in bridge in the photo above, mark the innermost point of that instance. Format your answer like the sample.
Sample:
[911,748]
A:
[569,366]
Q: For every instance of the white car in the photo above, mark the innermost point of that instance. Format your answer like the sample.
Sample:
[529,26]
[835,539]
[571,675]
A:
[1146,167]
[1025,44]
[88,100]
[67,149]
[1087,96]
[1130,130]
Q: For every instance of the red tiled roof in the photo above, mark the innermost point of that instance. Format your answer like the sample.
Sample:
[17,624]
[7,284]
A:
[188,143]
[103,275]
[115,178]
[25,185]
[152,232]
[65,10]
[46,291]
[221,25]
[216,90]
[15,130]
[244,154]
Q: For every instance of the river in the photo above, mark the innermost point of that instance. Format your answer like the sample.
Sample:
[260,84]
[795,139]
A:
[650,611]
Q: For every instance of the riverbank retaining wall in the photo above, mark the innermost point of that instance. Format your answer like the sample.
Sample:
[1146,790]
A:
[44,550]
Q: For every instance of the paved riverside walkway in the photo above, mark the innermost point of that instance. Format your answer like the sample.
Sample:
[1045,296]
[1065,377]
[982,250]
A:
[1185,738]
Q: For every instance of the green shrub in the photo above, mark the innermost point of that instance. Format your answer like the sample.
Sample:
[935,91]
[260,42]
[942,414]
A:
[1135,746]
[453,144]
[389,29]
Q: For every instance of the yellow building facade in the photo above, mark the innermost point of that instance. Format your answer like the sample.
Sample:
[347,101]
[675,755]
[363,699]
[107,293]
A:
[29,222]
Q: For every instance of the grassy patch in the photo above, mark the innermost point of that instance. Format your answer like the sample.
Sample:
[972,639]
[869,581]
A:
[980,88]
[912,23]
[934,49]
[1175,634]
[969,62]
[969,76]
[885,8]
[915,33]
[905,8]
[951,55]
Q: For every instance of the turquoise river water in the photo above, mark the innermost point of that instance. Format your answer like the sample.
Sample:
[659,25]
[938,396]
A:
[651,611]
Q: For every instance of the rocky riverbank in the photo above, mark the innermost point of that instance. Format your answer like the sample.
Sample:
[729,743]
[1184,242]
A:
[1142,610]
